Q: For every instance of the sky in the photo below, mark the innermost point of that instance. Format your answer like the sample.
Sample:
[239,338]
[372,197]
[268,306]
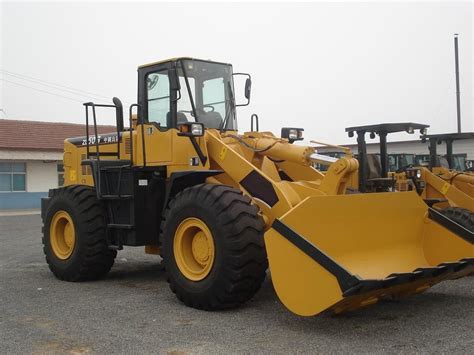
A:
[320,66]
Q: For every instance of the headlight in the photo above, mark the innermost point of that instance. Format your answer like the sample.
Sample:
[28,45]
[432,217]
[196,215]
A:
[413,173]
[196,129]
[292,134]
[191,129]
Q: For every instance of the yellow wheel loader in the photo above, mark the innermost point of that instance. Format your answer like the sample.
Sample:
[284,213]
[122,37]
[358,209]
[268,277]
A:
[216,205]
[437,183]
[457,186]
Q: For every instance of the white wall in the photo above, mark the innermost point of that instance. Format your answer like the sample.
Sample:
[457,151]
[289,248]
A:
[11,154]
[41,176]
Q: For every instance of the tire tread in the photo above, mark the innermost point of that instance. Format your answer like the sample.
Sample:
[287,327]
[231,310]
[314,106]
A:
[244,269]
[95,259]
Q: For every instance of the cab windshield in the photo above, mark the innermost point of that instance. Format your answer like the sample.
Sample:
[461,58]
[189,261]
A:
[459,163]
[206,94]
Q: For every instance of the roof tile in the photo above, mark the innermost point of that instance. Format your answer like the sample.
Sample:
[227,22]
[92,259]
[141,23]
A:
[35,135]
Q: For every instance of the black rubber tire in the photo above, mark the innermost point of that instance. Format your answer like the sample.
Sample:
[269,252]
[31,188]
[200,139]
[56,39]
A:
[240,259]
[461,216]
[91,259]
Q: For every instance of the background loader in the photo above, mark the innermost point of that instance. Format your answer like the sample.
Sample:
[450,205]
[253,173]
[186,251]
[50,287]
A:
[216,205]
[449,191]
[452,172]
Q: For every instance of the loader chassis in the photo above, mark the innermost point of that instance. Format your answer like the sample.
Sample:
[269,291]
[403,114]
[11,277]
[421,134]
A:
[220,207]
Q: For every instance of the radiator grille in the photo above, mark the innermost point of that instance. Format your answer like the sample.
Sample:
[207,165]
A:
[127,145]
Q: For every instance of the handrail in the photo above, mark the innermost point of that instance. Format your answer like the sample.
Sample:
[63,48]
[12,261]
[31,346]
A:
[96,134]
[131,133]
[256,122]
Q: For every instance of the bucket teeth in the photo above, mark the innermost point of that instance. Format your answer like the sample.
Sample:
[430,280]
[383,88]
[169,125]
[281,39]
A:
[459,266]
[437,273]
[428,272]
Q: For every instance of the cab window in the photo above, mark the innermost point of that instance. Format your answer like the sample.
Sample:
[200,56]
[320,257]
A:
[213,96]
[158,98]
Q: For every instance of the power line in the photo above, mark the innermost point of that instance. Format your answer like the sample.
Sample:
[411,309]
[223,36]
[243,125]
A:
[43,91]
[55,86]
[78,92]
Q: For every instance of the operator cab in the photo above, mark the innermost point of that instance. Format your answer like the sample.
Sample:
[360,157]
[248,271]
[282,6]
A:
[187,90]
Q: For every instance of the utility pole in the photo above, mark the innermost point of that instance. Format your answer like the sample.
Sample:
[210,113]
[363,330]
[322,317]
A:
[458,93]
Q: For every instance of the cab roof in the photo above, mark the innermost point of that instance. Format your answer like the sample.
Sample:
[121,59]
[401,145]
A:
[178,59]
[450,136]
[388,127]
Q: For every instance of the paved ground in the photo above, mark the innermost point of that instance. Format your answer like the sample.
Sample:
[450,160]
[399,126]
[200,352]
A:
[4,213]
[133,311]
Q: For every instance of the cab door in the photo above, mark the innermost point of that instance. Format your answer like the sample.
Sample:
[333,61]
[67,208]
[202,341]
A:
[155,98]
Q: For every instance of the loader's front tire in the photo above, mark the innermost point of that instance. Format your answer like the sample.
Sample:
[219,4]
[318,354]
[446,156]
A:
[461,216]
[74,240]
[213,247]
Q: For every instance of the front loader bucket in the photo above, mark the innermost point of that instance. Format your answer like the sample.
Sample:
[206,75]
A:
[343,252]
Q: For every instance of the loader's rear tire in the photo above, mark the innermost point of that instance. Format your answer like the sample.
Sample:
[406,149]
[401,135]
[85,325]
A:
[74,240]
[461,216]
[213,247]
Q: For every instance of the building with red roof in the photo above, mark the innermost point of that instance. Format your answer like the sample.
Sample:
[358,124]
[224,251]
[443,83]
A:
[31,155]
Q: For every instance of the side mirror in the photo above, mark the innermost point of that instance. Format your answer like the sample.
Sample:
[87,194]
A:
[248,87]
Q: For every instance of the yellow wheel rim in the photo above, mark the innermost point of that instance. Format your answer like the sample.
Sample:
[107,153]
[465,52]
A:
[193,249]
[62,235]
